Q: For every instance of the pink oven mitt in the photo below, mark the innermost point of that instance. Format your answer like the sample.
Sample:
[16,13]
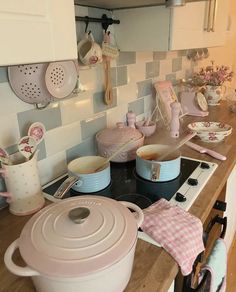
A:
[178,232]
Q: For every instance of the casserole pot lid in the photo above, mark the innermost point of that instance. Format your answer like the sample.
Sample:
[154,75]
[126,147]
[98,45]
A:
[54,243]
[120,134]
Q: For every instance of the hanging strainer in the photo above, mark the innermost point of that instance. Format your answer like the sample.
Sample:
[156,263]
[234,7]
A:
[61,78]
[28,83]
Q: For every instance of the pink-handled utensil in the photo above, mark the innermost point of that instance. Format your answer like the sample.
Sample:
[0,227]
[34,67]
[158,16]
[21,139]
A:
[27,146]
[37,131]
[4,156]
[206,151]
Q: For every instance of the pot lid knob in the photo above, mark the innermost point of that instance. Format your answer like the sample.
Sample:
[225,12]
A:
[78,215]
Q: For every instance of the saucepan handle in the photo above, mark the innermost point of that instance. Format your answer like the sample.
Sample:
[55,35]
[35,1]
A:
[139,213]
[65,186]
[155,171]
[17,270]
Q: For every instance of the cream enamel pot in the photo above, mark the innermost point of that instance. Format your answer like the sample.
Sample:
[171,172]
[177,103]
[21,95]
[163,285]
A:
[149,168]
[80,244]
[89,180]
[86,176]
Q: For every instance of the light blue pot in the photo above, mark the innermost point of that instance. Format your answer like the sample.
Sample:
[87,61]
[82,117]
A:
[88,180]
[157,170]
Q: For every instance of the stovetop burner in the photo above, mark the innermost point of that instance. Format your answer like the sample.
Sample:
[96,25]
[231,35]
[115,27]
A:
[126,185]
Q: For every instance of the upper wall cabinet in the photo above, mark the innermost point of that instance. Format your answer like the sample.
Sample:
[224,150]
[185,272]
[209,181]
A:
[195,25]
[34,31]
[199,24]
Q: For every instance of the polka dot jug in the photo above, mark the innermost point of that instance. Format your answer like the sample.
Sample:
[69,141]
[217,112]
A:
[23,187]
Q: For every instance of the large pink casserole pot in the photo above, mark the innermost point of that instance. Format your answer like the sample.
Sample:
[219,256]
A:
[83,244]
[110,140]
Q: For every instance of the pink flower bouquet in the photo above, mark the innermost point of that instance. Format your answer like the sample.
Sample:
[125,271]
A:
[213,75]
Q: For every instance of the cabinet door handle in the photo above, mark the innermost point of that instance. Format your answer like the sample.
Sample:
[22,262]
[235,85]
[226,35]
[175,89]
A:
[208,21]
[214,16]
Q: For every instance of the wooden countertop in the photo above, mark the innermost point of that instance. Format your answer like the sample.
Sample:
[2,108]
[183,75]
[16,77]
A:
[154,270]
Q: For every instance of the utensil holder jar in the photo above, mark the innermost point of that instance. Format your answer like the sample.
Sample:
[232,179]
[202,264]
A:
[24,192]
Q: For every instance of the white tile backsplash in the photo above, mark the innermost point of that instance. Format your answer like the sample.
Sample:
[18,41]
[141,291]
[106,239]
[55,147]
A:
[10,103]
[77,109]
[136,72]
[62,138]
[9,130]
[165,67]
[126,93]
[52,167]
[118,114]
[143,57]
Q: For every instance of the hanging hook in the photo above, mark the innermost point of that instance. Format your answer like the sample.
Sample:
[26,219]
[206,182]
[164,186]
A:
[87,23]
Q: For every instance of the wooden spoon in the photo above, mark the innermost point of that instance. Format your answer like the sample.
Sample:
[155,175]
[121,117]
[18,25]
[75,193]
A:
[170,150]
[108,89]
[122,147]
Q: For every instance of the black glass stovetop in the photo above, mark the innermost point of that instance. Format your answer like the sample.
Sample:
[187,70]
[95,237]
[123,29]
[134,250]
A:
[126,185]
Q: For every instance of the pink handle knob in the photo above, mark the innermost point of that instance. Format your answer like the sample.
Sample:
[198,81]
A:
[131,119]
[174,123]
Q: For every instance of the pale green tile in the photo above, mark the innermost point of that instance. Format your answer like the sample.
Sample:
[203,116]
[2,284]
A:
[99,103]
[113,77]
[90,127]
[171,77]
[126,58]
[137,106]
[122,78]
[159,55]
[176,64]
[86,148]
[152,69]
[144,88]
[3,74]
[50,117]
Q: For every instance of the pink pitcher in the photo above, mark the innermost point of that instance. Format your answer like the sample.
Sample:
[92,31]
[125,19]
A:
[24,192]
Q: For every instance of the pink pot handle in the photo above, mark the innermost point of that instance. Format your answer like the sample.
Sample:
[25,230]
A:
[139,213]
[17,270]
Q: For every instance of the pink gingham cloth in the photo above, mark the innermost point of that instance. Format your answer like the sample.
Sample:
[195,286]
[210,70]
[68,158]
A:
[178,232]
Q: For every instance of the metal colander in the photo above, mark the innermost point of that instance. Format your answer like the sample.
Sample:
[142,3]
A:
[28,83]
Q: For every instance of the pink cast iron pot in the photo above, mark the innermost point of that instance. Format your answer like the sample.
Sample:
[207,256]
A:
[79,244]
[109,140]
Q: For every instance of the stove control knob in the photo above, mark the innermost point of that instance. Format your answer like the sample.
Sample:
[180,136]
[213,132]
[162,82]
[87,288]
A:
[192,181]
[204,165]
[180,198]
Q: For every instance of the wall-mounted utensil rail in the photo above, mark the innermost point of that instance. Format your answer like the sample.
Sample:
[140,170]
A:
[104,20]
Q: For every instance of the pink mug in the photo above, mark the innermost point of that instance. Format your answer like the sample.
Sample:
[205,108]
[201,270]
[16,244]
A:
[89,52]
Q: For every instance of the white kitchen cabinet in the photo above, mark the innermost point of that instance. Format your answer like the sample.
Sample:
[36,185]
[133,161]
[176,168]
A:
[195,25]
[199,24]
[34,31]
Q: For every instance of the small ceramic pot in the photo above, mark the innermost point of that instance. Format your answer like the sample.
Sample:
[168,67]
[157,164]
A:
[147,130]
[109,140]
[153,170]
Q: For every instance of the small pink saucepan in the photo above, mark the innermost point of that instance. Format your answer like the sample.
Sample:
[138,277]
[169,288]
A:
[80,244]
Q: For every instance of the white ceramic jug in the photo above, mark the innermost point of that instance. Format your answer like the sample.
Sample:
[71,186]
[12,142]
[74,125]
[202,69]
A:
[24,192]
